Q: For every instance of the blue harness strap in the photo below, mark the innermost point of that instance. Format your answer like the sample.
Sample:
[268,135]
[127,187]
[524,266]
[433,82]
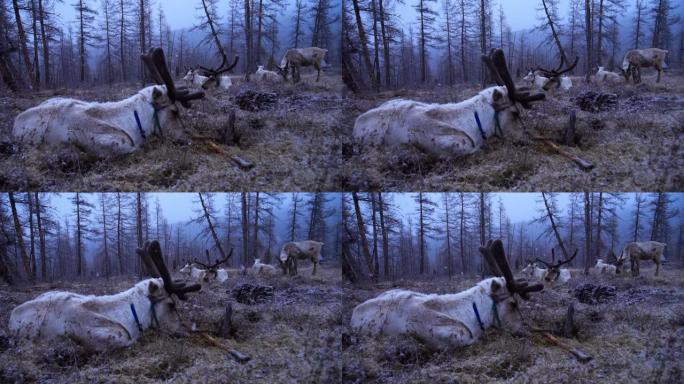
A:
[135,316]
[484,137]
[477,315]
[142,133]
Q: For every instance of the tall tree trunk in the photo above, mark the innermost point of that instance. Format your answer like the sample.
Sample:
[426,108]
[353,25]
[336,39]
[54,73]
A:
[385,237]
[363,39]
[462,233]
[587,231]
[32,235]
[362,236]
[421,229]
[554,226]
[589,39]
[119,231]
[597,249]
[255,240]
[23,44]
[19,234]
[41,236]
[245,226]
[214,236]
[385,46]
[556,38]
[46,48]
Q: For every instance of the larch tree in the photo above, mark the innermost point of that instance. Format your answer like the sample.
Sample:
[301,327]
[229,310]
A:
[87,37]
[427,35]
[427,227]
[85,231]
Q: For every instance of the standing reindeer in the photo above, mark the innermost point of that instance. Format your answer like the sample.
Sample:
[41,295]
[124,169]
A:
[114,128]
[104,322]
[646,250]
[554,272]
[449,130]
[296,58]
[636,59]
[452,320]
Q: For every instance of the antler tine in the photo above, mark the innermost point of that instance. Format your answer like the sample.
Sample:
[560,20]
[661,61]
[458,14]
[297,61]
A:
[492,69]
[568,260]
[486,252]
[151,67]
[499,61]
[543,262]
[154,251]
[175,94]
[147,261]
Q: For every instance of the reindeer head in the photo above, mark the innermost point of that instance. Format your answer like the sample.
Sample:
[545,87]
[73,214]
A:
[165,96]
[506,98]
[504,288]
[554,75]
[553,269]
[160,290]
[212,269]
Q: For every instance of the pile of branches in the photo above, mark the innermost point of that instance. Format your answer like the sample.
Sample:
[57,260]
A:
[593,294]
[253,294]
[254,101]
[592,101]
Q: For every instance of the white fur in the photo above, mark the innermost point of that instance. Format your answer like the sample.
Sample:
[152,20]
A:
[265,76]
[96,322]
[195,80]
[260,268]
[602,267]
[608,77]
[532,271]
[195,273]
[439,321]
[444,130]
[102,129]
[563,277]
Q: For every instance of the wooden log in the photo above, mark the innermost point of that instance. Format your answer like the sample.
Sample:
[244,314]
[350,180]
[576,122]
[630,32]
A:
[237,355]
[583,164]
[580,355]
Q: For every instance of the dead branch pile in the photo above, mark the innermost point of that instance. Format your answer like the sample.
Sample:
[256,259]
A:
[253,294]
[592,101]
[254,101]
[594,294]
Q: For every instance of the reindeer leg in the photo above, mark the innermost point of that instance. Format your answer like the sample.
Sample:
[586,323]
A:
[318,67]
[657,268]
[314,269]
[660,70]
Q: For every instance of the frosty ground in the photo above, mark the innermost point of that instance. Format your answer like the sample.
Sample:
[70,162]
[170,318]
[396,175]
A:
[636,337]
[294,145]
[293,338]
[635,146]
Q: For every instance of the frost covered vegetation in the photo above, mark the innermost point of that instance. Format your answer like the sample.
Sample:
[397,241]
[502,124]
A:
[293,143]
[292,337]
[637,335]
[634,145]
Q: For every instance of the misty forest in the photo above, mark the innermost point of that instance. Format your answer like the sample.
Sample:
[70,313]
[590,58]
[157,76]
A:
[410,258]
[261,74]
[603,121]
[248,309]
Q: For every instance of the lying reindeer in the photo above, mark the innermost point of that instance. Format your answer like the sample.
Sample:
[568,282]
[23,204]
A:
[104,322]
[110,129]
[260,268]
[603,267]
[212,272]
[263,76]
[448,130]
[451,320]
[299,250]
[533,271]
[195,79]
[646,250]
[636,59]
[535,79]
[190,271]
[295,58]
[554,273]
[608,77]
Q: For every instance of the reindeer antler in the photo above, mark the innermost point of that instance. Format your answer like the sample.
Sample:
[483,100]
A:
[151,256]
[217,263]
[559,263]
[496,62]
[495,256]
[155,62]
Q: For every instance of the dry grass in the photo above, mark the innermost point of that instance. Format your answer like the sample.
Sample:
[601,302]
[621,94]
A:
[636,146]
[292,339]
[294,146]
[638,338]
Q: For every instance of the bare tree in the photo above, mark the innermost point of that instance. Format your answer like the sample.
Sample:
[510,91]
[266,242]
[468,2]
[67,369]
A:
[86,33]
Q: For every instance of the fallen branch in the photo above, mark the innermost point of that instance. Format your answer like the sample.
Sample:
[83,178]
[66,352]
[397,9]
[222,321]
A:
[237,355]
[581,356]
[583,164]
[243,164]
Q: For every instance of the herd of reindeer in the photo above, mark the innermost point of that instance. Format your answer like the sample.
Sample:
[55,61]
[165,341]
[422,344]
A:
[439,321]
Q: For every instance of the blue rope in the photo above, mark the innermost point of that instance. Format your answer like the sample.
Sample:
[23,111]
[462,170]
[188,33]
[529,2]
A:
[484,137]
[477,314]
[142,133]
[135,316]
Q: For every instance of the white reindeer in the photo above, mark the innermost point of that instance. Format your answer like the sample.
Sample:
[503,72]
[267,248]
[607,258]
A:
[608,77]
[448,130]
[267,77]
[109,129]
[104,322]
[603,267]
[295,58]
[195,79]
[533,271]
[299,250]
[197,274]
[260,268]
[554,273]
[452,320]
